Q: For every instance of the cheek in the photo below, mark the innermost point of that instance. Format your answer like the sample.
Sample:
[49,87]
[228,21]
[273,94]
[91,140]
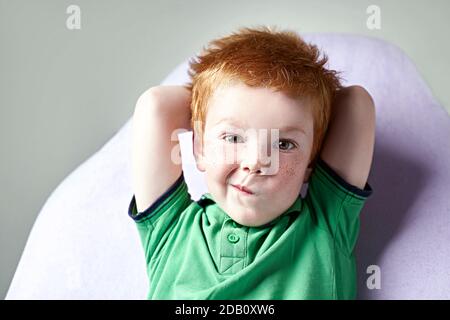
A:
[219,162]
[291,169]
[288,170]
[222,154]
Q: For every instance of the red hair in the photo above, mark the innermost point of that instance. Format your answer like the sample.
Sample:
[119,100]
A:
[263,57]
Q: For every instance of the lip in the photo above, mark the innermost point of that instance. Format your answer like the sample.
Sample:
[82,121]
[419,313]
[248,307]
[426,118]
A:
[243,189]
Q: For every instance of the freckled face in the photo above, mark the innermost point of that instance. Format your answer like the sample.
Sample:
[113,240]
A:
[257,144]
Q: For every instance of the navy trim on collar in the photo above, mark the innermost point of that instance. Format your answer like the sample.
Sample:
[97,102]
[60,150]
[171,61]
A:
[205,199]
[146,213]
[347,186]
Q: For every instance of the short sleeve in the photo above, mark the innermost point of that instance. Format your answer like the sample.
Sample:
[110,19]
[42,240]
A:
[156,222]
[336,205]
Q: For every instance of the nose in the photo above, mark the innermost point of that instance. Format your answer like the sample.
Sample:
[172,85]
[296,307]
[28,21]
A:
[253,159]
[252,168]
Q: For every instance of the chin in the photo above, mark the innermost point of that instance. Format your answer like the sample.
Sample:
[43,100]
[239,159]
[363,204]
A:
[248,219]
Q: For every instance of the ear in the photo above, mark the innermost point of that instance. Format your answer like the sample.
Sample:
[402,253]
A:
[198,151]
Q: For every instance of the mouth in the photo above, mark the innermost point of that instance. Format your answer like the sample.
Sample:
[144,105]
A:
[242,189]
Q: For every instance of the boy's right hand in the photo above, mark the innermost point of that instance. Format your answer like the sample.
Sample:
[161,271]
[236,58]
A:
[159,112]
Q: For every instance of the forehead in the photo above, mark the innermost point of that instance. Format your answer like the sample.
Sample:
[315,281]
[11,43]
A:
[244,106]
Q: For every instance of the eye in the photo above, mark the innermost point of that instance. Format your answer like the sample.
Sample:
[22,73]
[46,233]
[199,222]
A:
[232,138]
[284,145]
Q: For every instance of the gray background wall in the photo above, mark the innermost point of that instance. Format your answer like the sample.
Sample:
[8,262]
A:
[64,93]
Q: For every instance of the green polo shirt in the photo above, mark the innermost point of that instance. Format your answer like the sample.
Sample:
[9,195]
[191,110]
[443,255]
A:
[194,250]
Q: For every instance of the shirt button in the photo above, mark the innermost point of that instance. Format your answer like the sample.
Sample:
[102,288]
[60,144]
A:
[233,238]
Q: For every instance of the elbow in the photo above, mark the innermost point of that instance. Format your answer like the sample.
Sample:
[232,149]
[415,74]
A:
[364,104]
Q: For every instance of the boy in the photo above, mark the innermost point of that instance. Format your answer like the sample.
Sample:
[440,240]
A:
[266,117]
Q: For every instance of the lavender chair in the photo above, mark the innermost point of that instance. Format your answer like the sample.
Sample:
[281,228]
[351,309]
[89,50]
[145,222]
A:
[84,246]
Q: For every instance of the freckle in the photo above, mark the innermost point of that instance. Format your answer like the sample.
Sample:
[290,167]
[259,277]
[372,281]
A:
[291,169]
[287,170]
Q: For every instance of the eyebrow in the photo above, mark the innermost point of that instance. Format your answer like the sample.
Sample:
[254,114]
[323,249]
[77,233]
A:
[284,129]
[230,120]
[292,128]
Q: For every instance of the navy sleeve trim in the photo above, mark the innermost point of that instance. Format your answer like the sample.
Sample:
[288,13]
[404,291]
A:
[146,213]
[366,192]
